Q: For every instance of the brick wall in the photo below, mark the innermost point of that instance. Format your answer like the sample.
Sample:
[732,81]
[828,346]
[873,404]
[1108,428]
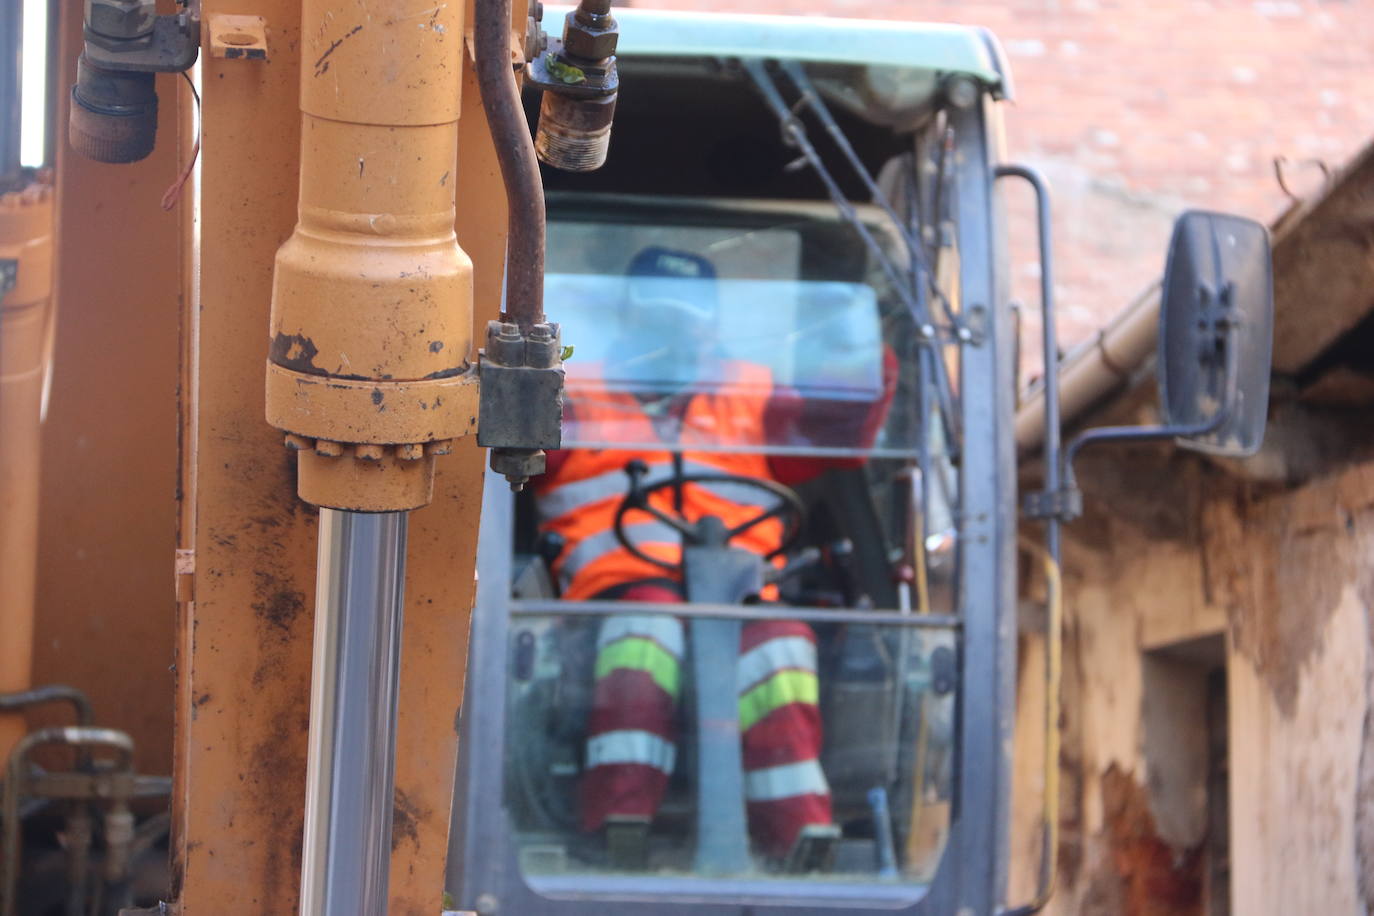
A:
[1138,110]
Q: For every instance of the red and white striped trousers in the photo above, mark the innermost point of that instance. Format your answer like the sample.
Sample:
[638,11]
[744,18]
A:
[632,736]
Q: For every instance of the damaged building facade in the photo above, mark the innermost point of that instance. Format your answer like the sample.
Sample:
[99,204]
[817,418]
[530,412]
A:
[1218,669]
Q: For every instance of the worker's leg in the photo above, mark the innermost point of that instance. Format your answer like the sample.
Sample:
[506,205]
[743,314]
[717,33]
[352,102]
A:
[781,725]
[632,734]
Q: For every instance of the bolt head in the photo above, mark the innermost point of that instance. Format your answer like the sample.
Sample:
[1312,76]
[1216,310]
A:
[502,331]
[439,447]
[121,19]
[517,465]
[589,42]
[962,91]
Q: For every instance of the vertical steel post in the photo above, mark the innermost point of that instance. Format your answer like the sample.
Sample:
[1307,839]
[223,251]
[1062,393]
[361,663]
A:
[1054,485]
[11,67]
[1048,339]
[353,691]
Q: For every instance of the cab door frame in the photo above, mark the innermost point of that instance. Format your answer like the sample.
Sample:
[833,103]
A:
[484,872]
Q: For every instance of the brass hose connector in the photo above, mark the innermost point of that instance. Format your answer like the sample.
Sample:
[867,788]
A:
[580,82]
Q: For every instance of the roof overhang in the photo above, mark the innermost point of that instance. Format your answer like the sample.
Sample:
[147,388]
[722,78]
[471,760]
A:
[1323,256]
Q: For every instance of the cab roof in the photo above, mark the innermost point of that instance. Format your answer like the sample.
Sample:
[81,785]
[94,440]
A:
[936,47]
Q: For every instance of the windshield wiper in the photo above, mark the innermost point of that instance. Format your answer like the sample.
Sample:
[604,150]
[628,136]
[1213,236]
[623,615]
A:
[794,133]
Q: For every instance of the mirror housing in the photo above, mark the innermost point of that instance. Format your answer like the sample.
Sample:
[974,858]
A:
[1216,329]
[1216,325]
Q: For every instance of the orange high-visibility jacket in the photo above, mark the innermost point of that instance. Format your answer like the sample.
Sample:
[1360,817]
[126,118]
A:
[578,500]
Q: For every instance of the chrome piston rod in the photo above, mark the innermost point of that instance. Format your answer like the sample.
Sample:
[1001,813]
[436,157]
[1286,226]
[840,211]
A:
[350,776]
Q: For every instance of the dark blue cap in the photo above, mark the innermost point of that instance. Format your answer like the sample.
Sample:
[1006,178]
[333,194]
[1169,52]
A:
[657,261]
[678,281]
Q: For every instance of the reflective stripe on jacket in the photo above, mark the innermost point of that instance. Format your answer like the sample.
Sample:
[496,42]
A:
[579,500]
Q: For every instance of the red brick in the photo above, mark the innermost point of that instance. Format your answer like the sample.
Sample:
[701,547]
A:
[1158,76]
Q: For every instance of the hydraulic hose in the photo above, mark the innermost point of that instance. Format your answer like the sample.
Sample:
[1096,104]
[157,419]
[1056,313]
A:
[496,80]
[51,693]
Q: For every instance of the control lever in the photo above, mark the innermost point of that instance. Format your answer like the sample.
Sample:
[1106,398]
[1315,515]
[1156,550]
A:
[804,560]
[842,552]
[636,470]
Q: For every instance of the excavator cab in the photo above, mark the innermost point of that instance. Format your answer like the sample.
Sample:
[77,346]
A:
[859,278]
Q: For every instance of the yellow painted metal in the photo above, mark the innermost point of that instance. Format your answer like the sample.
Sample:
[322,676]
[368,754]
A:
[372,301]
[345,410]
[243,666]
[108,617]
[26,220]
[237,36]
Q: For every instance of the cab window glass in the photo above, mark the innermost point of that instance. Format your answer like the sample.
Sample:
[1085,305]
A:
[886,700]
[746,427]
[748,316]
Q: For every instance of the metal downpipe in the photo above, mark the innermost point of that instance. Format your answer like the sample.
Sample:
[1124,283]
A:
[350,777]
[1092,369]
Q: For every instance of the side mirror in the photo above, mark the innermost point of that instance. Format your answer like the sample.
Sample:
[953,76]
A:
[1216,328]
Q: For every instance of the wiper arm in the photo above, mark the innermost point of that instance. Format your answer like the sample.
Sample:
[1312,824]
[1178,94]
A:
[812,99]
[926,333]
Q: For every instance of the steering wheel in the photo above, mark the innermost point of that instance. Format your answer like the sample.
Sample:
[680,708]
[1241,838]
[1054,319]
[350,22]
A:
[789,508]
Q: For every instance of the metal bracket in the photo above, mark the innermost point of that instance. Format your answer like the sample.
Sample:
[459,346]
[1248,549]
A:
[238,37]
[1215,320]
[174,46]
[1065,504]
[9,275]
[974,330]
[520,400]
[944,671]
[597,81]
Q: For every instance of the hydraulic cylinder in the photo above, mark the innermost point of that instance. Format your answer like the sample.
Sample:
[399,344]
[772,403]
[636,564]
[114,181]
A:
[349,801]
[369,375]
[369,370]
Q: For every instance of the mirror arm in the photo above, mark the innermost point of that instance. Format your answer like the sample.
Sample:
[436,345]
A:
[1049,343]
[1067,503]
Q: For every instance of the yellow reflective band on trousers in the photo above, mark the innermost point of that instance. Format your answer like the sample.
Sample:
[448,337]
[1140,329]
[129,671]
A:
[779,690]
[638,654]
